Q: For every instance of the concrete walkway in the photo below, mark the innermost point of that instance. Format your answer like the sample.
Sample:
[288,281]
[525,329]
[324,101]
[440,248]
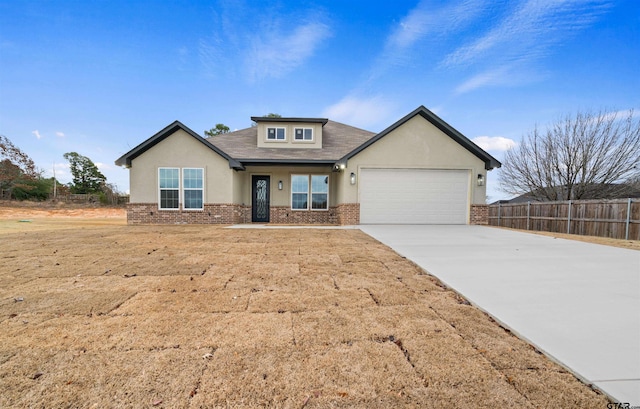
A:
[578,302]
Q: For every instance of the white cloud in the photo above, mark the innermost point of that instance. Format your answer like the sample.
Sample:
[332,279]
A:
[103,166]
[425,22]
[529,30]
[361,112]
[260,43]
[37,134]
[525,35]
[274,54]
[60,134]
[480,80]
[494,143]
[61,170]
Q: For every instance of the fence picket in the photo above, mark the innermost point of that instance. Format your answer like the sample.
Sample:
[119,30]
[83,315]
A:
[618,218]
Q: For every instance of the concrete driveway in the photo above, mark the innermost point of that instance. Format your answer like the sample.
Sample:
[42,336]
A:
[578,302]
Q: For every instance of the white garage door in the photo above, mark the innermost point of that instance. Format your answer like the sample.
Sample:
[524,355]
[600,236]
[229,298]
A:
[414,196]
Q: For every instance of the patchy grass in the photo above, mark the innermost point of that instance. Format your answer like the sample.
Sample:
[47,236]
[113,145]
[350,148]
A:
[100,314]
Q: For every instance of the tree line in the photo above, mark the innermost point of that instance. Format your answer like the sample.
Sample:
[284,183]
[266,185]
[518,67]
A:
[585,156]
[20,178]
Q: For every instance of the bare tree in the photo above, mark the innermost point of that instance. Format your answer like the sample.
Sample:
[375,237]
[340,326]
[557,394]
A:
[10,152]
[589,155]
[16,168]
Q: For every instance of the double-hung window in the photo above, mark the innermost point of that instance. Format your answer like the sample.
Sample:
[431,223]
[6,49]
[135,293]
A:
[193,188]
[187,190]
[169,181]
[310,192]
[276,134]
[319,192]
[303,134]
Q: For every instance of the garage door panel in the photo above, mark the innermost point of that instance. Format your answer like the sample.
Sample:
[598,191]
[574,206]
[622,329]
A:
[413,196]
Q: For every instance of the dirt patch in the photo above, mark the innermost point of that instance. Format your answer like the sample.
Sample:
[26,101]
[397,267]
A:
[109,315]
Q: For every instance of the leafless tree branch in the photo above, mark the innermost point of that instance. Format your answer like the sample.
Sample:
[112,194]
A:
[589,155]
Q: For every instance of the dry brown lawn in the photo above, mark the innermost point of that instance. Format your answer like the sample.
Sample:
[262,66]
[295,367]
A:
[95,313]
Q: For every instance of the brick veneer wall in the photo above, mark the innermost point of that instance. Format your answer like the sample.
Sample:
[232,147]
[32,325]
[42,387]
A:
[148,213]
[348,213]
[479,214]
[344,214]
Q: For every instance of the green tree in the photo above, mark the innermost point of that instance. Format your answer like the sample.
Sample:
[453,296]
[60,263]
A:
[269,115]
[33,189]
[219,129]
[87,178]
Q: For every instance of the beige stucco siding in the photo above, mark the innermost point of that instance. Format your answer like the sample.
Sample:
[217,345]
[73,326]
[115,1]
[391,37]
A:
[280,173]
[181,150]
[289,141]
[416,144]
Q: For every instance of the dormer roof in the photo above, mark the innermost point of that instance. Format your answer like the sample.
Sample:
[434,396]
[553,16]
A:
[322,121]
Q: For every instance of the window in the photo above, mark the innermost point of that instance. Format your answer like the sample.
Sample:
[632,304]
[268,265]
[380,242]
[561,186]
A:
[169,181]
[299,192]
[193,188]
[315,187]
[319,192]
[191,196]
[303,134]
[276,134]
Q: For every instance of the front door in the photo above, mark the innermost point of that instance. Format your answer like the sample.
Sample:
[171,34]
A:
[260,196]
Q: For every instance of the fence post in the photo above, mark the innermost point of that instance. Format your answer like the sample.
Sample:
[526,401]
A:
[569,219]
[528,213]
[626,230]
[499,208]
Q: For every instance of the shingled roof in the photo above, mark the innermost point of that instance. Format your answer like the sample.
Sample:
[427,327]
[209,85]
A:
[338,140]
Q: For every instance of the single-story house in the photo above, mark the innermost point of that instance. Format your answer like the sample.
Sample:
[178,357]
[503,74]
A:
[420,170]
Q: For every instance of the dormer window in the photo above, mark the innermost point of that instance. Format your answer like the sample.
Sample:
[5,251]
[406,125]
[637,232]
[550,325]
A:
[303,134]
[276,134]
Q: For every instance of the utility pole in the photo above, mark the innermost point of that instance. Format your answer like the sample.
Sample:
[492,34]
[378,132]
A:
[55,182]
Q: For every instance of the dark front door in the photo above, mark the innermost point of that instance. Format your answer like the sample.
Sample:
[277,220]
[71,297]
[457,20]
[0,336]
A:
[260,195]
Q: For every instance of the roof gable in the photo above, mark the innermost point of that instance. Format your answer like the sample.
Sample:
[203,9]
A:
[125,160]
[338,140]
[489,161]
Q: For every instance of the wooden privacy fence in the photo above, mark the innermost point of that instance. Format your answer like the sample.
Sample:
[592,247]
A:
[618,219]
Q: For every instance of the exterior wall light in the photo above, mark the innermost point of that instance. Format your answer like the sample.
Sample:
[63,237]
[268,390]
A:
[279,185]
[353,178]
[480,179]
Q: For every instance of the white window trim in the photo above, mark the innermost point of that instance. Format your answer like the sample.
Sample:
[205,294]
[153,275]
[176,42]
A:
[309,193]
[295,130]
[161,189]
[276,134]
[183,190]
[292,193]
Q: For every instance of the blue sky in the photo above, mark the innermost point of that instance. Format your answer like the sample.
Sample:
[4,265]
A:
[99,77]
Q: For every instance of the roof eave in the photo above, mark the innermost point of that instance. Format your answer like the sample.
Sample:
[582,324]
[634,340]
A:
[322,121]
[127,158]
[287,162]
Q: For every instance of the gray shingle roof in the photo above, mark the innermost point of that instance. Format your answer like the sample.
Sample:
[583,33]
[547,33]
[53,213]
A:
[338,140]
